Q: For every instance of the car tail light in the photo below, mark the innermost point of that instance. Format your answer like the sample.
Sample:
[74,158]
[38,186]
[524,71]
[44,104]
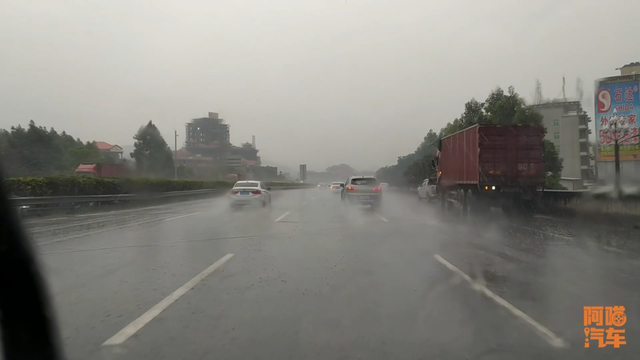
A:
[351,188]
[256,192]
[234,192]
[377,189]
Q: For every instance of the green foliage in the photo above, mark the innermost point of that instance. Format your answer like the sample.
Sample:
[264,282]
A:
[419,170]
[553,167]
[553,182]
[36,151]
[553,163]
[86,185]
[152,154]
[341,171]
[411,167]
[499,108]
[451,128]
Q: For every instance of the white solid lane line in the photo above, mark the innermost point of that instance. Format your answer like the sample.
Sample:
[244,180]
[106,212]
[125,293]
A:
[545,333]
[145,318]
[380,216]
[283,216]
[181,216]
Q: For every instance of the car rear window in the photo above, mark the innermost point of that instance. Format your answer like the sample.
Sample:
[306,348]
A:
[246,184]
[365,181]
[336,183]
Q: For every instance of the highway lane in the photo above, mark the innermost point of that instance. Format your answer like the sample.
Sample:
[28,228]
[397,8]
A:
[311,278]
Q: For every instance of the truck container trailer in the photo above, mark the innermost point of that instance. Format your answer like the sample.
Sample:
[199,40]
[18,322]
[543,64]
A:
[104,170]
[491,165]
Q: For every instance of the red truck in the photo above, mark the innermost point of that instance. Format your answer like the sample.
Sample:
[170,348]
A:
[491,165]
[106,170]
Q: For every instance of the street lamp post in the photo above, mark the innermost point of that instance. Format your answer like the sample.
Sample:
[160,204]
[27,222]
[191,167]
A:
[175,156]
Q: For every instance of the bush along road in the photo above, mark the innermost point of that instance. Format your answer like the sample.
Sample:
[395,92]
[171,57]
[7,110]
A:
[46,195]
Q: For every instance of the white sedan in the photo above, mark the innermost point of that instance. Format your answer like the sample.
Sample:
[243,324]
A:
[250,192]
[336,187]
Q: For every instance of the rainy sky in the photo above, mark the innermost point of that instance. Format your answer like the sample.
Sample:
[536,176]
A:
[317,81]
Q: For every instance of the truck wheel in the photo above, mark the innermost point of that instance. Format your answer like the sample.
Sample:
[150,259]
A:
[468,203]
[476,206]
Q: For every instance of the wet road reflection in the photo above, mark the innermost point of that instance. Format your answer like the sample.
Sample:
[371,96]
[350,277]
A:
[312,278]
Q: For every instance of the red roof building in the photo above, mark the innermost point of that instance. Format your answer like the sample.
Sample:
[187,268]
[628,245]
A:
[107,150]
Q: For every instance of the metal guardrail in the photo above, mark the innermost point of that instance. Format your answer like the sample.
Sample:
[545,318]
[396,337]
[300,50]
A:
[79,199]
[568,192]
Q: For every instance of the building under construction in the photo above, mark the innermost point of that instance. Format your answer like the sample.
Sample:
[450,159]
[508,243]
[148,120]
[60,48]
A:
[208,151]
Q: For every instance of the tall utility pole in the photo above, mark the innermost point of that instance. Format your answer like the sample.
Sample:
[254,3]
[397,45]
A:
[175,156]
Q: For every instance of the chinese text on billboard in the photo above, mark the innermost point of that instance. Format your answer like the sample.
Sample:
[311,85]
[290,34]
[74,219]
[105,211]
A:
[617,113]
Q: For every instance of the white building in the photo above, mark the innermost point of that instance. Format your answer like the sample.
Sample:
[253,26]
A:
[568,129]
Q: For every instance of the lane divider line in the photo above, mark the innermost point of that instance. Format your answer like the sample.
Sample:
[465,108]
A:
[545,333]
[181,216]
[145,318]
[380,216]
[283,216]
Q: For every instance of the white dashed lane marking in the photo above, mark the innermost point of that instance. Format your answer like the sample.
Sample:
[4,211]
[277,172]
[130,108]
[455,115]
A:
[283,216]
[145,318]
[381,217]
[545,333]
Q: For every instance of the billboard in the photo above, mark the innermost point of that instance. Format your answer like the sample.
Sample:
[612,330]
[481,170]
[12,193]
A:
[619,101]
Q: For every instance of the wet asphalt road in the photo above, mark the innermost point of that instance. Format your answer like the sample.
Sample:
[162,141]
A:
[309,278]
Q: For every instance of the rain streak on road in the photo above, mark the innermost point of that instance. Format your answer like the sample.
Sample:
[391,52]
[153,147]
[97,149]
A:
[311,278]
